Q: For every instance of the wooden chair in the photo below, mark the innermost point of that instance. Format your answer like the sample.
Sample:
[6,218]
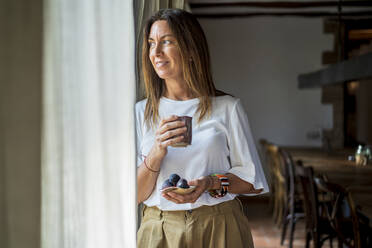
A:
[277,182]
[293,210]
[318,228]
[350,225]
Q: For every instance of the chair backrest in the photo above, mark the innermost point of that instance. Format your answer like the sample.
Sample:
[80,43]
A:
[290,179]
[289,169]
[311,203]
[277,181]
[276,163]
[343,216]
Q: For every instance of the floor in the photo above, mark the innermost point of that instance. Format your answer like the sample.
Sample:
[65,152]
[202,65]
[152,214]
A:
[265,233]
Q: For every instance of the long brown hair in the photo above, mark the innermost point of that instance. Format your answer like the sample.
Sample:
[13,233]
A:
[193,48]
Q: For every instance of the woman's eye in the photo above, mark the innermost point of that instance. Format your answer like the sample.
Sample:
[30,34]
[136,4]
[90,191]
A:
[166,42]
[151,43]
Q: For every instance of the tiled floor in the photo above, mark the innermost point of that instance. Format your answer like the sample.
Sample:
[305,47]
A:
[265,233]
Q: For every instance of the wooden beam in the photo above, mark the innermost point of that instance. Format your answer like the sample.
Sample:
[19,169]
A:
[349,70]
[360,34]
[283,4]
[281,13]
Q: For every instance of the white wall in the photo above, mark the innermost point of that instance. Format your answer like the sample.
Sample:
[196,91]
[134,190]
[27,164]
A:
[258,60]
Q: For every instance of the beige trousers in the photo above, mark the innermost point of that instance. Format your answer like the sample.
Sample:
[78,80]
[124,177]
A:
[218,226]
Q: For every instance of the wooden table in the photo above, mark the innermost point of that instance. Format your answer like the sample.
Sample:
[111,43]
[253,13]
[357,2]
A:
[357,179]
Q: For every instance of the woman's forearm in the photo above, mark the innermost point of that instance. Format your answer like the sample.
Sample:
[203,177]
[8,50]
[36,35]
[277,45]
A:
[239,186]
[146,177]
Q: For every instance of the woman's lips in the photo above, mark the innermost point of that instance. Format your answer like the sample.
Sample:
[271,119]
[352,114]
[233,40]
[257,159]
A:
[161,64]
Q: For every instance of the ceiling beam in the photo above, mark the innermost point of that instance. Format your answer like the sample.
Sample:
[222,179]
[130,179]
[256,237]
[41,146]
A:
[221,15]
[283,4]
[349,70]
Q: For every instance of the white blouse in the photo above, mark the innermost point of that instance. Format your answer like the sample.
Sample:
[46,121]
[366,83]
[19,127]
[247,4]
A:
[222,144]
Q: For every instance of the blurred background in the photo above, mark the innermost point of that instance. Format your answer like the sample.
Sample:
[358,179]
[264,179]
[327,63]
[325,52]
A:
[260,48]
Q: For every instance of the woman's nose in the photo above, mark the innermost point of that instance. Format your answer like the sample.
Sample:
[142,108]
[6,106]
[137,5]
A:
[158,49]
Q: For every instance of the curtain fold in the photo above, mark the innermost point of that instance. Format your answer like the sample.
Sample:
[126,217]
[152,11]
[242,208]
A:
[88,150]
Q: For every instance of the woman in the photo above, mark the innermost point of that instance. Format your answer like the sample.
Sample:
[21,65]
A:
[222,160]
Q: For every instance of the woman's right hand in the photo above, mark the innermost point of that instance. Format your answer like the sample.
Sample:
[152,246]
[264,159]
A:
[169,132]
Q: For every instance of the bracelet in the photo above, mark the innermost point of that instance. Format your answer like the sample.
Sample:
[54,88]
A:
[144,161]
[218,193]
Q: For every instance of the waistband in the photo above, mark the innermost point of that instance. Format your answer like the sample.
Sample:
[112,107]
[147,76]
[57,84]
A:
[221,208]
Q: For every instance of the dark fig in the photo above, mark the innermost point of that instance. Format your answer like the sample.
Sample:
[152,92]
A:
[174,178]
[167,184]
[182,183]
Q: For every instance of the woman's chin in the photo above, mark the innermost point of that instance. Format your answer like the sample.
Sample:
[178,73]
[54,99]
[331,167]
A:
[168,76]
[163,75]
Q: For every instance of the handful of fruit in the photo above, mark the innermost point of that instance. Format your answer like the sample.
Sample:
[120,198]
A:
[176,184]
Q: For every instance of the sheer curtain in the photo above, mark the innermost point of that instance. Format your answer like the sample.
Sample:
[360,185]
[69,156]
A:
[88,150]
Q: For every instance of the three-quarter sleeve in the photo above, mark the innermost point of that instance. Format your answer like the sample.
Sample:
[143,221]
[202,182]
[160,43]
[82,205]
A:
[245,162]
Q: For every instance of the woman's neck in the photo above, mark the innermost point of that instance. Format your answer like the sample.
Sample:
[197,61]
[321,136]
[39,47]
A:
[177,90]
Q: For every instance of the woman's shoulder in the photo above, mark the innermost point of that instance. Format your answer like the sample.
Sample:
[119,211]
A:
[224,105]
[141,105]
[226,100]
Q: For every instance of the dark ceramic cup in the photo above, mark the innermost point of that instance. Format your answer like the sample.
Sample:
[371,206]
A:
[188,134]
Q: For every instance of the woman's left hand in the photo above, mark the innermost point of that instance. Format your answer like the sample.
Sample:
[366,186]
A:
[201,184]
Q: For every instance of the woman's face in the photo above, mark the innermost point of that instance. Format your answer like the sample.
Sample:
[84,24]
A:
[164,52]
